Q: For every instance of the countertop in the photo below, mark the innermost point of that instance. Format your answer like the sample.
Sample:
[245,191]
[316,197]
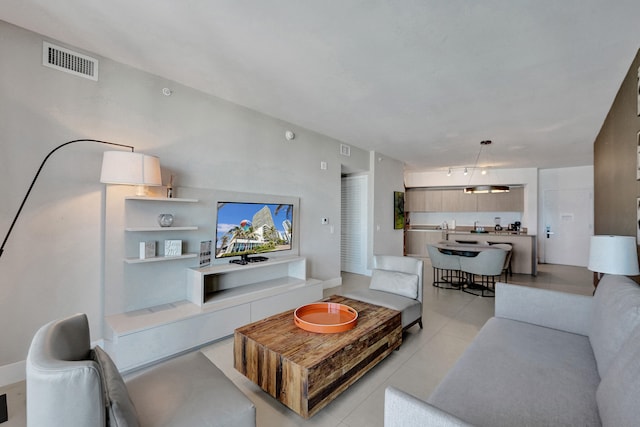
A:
[466,230]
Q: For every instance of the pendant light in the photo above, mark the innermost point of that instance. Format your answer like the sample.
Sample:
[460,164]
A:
[483,189]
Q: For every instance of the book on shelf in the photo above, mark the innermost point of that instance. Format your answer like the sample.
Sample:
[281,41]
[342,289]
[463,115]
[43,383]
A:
[147,249]
[205,253]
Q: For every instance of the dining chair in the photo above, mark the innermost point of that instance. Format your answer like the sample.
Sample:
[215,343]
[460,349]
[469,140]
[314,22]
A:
[488,265]
[446,269]
[506,269]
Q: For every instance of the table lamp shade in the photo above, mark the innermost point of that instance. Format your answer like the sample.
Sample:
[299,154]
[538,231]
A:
[613,255]
[122,167]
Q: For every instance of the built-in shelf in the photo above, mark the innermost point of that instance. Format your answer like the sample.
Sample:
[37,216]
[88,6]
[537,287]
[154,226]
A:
[162,199]
[188,228]
[158,259]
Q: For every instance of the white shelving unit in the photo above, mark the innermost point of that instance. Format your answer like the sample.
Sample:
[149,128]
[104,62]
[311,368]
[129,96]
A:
[158,229]
[253,292]
[152,229]
[159,309]
[162,199]
[158,259]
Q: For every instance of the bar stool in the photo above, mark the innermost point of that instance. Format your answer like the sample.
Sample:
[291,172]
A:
[488,265]
[446,269]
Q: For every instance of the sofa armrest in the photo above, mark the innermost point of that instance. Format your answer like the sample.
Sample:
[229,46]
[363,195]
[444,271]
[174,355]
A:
[404,410]
[543,307]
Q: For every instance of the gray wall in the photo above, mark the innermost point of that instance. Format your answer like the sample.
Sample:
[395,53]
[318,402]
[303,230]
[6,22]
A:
[53,264]
[615,152]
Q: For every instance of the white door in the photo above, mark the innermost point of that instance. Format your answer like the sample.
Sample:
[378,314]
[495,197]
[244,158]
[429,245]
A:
[353,246]
[568,226]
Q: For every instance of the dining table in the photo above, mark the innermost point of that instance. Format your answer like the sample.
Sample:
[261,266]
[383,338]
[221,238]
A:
[462,249]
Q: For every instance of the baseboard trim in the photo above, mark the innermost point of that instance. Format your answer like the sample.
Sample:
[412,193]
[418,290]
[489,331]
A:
[332,283]
[12,373]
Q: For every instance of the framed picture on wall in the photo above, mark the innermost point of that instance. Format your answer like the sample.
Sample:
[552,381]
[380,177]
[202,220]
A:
[398,210]
[638,221]
[638,157]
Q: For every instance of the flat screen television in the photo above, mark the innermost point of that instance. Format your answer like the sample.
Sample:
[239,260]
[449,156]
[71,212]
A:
[247,228]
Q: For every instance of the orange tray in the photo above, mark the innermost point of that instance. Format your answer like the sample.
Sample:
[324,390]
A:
[325,317]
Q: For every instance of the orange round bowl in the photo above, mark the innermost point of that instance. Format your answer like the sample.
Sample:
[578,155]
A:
[325,317]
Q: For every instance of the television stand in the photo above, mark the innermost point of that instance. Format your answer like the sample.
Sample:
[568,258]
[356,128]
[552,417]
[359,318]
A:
[245,259]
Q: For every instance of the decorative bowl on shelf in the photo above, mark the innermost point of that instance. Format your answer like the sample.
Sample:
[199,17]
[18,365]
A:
[325,317]
[165,220]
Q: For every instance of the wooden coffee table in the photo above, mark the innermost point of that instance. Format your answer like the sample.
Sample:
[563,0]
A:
[307,370]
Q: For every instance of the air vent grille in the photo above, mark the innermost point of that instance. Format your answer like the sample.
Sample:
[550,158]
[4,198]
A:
[69,61]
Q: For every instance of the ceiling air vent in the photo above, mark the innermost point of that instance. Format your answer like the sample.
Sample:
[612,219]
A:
[69,61]
[345,150]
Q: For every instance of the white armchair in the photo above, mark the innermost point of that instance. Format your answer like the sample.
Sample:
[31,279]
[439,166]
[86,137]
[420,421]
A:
[396,283]
[71,385]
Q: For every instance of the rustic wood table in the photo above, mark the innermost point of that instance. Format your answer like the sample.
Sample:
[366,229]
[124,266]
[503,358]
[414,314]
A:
[306,370]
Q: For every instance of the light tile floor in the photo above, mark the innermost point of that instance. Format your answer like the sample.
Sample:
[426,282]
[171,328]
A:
[451,320]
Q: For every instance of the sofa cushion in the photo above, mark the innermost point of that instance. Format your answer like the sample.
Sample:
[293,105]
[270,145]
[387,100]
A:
[519,374]
[189,390]
[616,312]
[395,282]
[120,412]
[411,309]
[618,391]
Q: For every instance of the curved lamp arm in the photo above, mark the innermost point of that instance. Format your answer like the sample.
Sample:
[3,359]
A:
[38,173]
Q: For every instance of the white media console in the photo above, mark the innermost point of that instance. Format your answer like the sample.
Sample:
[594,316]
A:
[252,292]
[154,310]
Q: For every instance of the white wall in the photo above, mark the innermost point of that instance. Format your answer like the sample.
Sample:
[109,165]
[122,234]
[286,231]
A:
[387,178]
[527,177]
[53,263]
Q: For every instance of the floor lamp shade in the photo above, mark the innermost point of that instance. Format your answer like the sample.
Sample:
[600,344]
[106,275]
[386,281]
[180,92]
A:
[614,255]
[121,167]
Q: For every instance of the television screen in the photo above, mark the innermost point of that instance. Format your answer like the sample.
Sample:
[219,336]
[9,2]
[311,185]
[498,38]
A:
[253,228]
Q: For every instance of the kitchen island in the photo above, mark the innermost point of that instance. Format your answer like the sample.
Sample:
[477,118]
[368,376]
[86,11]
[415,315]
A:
[524,259]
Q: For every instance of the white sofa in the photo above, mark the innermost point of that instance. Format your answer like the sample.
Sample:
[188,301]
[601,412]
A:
[546,359]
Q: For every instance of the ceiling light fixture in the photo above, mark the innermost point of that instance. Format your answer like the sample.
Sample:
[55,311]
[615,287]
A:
[466,172]
[483,189]
[449,173]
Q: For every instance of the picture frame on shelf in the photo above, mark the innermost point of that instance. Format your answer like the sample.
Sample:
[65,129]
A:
[172,248]
[398,210]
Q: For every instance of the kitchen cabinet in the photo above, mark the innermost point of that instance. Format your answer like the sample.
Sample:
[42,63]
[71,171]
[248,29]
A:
[513,201]
[416,241]
[423,200]
[455,200]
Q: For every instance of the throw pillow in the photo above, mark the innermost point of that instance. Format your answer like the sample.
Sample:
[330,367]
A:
[616,312]
[395,282]
[120,409]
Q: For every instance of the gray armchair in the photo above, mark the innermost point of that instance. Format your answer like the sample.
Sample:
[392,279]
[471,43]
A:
[396,283]
[71,385]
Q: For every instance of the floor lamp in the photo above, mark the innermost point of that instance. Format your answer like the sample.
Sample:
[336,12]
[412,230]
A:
[118,167]
[613,255]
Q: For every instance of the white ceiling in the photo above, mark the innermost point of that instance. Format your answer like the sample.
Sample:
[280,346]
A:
[422,81]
